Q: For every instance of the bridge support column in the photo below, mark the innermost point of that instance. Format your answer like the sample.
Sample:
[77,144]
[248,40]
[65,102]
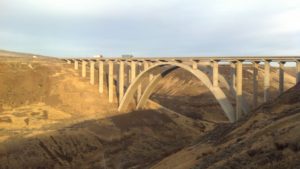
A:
[139,91]
[121,80]
[83,68]
[232,76]
[76,64]
[195,65]
[129,75]
[146,65]
[281,77]
[92,72]
[68,61]
[110,81]
[239,89]
[151,75]
[255,84]
[298,71]
[215,67]
[101,76]
[267,81]
[132,71]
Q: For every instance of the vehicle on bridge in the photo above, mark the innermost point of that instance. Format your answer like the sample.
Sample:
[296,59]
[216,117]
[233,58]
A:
[127,56]
[98,56]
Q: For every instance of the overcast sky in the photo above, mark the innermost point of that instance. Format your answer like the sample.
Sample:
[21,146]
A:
[151,27]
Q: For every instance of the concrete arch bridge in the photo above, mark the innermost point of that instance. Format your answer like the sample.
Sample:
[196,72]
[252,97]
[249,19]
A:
[143,75]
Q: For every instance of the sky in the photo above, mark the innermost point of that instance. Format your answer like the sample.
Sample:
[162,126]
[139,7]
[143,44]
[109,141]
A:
[71,28]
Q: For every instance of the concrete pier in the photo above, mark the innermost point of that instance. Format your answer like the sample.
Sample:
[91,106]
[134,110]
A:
[139,92]
[76,64]
[267,81]
[146,65]
[194,65]
[151,75]
[92,72]
[281,77]
[101,76]
[255,84]
[132,70]
[232,76]
[129,75]
[215,67]
[298,70]
[121,80]
[83,68]
[239,89]
[110,81]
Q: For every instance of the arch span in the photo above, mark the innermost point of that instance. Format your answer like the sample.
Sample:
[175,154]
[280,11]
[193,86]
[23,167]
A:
[151,86]
[153,83]
[216,91]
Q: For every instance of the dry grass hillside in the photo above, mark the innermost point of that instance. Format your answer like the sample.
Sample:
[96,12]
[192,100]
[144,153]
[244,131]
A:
[51,117]
[267,138]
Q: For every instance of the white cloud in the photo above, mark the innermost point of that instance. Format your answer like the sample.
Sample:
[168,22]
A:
[286,22]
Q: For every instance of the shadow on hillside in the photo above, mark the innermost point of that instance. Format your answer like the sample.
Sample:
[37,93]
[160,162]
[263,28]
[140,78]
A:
[135,139]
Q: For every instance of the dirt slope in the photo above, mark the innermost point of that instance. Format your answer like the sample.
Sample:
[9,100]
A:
[267,138]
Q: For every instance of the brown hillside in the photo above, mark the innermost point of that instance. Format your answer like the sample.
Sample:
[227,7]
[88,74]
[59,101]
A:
[267,138]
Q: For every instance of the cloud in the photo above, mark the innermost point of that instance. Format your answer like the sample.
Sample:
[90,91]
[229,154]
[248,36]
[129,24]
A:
[152,27]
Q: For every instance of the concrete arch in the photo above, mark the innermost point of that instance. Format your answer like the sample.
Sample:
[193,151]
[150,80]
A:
[216,91]
[151,86]
[153,83]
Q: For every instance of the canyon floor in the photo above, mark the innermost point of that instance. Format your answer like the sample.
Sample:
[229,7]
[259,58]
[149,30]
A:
[51,117]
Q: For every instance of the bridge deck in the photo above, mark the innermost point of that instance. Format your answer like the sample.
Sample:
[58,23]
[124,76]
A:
[205,58]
